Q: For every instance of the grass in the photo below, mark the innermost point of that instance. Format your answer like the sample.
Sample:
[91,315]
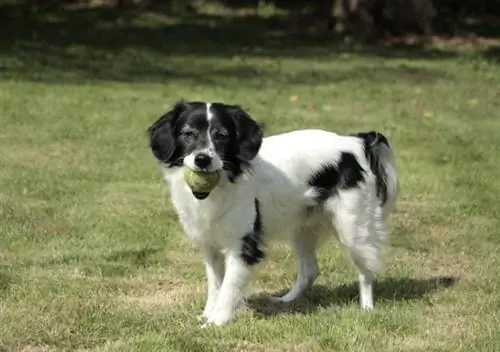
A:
[92,257]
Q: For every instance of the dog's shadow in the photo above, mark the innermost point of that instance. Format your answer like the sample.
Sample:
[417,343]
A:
[320,296]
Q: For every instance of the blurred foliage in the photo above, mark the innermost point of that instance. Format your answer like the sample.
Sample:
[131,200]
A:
[366,19]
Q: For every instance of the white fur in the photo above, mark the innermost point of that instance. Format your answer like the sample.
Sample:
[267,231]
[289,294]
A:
[209,112]
[278,179]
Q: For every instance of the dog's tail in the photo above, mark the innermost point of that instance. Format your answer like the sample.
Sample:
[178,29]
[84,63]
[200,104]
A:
[383,165]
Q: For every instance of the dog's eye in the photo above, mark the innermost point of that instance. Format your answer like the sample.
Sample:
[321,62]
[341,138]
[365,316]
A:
[187,134]
[220,134]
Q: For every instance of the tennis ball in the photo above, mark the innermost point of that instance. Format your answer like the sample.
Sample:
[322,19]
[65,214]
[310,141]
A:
[201,182]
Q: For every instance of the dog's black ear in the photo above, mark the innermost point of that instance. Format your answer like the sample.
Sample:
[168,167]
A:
[249,133]
[161,134]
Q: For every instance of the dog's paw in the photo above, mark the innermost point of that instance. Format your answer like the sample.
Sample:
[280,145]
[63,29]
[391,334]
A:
[206,325]
[201,318]
[219,317]
[273,299]
[367,307]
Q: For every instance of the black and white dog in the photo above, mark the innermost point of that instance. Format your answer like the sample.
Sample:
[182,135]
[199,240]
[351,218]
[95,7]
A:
[289,187]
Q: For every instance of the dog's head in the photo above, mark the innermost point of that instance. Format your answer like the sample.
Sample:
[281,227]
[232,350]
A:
[206,137]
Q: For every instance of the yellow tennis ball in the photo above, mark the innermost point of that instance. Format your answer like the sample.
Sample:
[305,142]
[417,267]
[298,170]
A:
[201,181]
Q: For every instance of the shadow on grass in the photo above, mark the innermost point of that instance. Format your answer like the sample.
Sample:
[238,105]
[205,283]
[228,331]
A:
[385,290]
[137,257]
[117,263]
[493,53]
[58,45]
[6,280]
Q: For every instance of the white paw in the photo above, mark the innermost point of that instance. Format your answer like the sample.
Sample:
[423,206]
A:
[367,307]
[206,325]
[242,304]
[220,317]
[205,314]
[274,299]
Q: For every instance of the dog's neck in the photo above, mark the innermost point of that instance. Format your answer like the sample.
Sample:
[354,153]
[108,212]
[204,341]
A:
[201,219]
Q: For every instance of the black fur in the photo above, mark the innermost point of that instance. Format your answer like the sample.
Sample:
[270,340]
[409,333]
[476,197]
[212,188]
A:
[345,174]
[237,138]
[324,181]
[351,173]
[372,141]
[251,248]
[162,136]
[245,138]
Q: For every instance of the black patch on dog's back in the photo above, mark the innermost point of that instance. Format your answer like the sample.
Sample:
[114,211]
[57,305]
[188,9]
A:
[324,181]
[251,248]
[351,173]
[372,141]
[345,174]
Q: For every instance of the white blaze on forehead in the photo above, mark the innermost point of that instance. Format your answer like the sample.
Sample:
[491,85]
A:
[209,112]
[208,149]
[209,118]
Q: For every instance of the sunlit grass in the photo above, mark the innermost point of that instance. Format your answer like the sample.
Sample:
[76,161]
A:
[92,257]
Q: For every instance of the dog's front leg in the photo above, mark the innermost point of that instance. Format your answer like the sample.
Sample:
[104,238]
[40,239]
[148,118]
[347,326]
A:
[232,290]
[214,268]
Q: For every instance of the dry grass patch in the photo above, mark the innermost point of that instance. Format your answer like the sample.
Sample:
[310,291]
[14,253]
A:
[44,348]
[165,297]
[37,349]
[245,346]
[442,328]
[48,155]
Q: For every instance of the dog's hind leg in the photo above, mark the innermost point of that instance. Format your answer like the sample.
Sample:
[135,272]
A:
[361,229]
[304,246]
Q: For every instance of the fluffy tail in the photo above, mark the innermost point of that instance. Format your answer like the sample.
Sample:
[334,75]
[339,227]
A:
[383,165]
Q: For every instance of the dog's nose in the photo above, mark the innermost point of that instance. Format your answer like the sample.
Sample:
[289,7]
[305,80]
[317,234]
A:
[202,160]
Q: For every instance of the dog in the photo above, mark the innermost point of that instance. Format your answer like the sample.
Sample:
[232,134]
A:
[294,187]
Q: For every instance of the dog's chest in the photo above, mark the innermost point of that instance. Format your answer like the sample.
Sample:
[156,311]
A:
[212,220]
[195,219]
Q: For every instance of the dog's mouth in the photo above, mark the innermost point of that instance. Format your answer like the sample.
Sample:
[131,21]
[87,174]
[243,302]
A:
[201,195]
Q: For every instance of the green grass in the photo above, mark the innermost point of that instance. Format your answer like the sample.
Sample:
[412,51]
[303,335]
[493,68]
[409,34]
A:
[92,257]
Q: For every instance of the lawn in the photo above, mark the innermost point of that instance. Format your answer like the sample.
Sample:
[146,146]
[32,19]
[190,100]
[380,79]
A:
[92,257]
